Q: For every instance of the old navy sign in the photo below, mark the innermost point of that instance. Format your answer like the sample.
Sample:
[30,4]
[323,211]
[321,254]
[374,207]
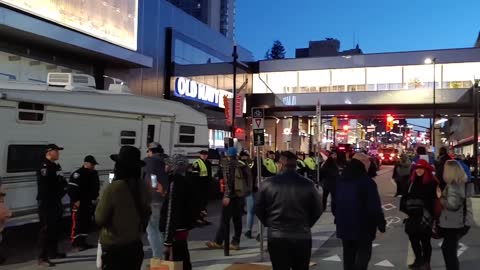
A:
[192,90]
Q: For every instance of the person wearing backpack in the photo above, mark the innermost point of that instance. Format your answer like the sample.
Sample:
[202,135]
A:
[238,185]
[401,174]
[455,219]
[178,213]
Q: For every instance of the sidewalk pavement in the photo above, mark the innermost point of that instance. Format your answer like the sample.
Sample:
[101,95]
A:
[202,258]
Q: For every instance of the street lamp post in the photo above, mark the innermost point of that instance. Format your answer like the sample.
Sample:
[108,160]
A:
[430,61]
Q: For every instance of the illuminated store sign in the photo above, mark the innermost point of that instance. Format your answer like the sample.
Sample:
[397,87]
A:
[114,21]
[192,90]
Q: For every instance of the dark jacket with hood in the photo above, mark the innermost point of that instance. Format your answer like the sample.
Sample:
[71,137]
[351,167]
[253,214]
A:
[178,209]
[359,211]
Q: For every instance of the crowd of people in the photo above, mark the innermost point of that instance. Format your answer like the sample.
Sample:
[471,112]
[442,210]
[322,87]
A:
[166,197]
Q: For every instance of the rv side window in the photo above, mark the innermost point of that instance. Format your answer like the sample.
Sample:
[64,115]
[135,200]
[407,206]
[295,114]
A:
[187,134]
[150,134]
[31,112]
[24,158]
[127,137]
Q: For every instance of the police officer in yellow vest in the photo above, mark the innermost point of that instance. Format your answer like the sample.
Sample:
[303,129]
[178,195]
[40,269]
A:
[301,166]
[311,166]
[269,167]
[202,170]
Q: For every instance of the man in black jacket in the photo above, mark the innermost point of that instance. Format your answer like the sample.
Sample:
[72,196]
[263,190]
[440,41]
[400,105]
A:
[83,190]
[289,205]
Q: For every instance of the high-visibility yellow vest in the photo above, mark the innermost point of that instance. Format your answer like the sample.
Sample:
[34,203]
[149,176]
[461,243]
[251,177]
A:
[202,167]
[300,164]
[310,162]
[270,165]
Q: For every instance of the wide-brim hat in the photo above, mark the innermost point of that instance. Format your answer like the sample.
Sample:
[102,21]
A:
[128,155]
[423,164]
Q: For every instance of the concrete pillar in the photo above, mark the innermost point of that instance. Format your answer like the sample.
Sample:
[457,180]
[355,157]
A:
[295,136]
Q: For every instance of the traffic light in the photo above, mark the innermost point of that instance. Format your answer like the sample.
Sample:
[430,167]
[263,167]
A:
[389,125]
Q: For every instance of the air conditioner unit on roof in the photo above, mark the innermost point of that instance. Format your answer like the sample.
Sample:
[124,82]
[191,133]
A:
[70,80]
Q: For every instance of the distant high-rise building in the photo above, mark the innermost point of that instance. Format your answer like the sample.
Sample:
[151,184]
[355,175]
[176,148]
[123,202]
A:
[327,47]
[477,42]
[218,14]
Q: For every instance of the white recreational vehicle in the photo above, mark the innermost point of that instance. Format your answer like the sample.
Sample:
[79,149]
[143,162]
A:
[71,113]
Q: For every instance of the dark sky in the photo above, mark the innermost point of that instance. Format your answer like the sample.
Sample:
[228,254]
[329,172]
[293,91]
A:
[378,25]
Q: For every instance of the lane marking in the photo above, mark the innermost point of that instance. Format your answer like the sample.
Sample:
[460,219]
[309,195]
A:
[392,220]
[385,263]
[334,258]
[388,207]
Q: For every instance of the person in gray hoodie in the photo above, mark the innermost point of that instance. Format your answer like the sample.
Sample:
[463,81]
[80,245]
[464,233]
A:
[456,214]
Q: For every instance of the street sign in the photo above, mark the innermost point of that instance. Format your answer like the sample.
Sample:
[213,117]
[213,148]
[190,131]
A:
[258,113]
[258,137]
[258,123]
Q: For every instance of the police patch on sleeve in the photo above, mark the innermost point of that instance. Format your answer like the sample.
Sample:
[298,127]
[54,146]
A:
[43,172]
[76,175]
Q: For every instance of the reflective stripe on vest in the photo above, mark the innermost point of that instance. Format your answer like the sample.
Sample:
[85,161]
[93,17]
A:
[202,167]
[300,164]
[270,165]
[310,162]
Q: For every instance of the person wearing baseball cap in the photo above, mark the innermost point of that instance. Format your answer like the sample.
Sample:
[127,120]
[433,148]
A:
[156,180]
[83,190]
[123,213]
[202,171]
[238,185]
[51,186]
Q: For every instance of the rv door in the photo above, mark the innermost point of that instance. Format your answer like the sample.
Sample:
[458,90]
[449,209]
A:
[150,132]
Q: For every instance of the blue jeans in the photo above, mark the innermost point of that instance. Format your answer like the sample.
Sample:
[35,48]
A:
[250,211]
[155,238]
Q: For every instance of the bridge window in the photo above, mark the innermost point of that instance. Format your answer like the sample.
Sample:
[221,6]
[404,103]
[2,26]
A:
[187,134]
[24,157]
[31,112]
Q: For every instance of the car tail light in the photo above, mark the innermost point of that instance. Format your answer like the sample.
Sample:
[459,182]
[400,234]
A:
[381,154]
[383,158]
[391,158]
[392,155]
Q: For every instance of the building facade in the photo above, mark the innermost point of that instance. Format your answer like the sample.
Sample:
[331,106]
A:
[218,14]
[143,43]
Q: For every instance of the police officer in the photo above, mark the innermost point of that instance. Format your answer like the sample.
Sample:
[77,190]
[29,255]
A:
[311,166]
[51,188]
[202,170]
[301,166]
[269,167]
[83,189]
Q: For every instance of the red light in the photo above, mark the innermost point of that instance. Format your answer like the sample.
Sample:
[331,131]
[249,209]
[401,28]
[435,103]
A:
[381,154]
[341,148]
[346,127]
[390,158]
[392,155]
[383,158]
[390,118]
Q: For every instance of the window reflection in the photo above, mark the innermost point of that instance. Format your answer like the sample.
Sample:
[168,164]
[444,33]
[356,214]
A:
[187,54]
